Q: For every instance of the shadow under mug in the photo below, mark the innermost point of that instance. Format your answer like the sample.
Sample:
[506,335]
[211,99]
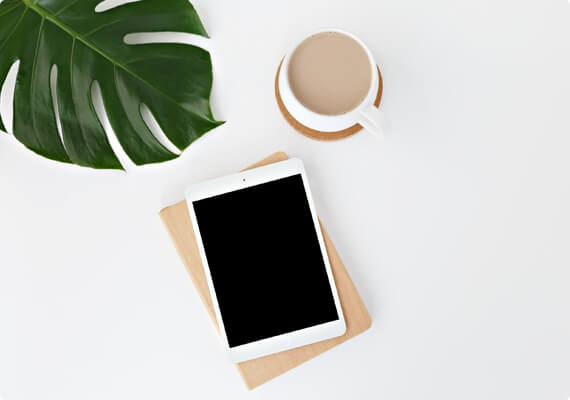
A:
[366,113]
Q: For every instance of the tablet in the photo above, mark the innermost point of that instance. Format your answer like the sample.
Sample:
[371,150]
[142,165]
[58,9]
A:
[265,260]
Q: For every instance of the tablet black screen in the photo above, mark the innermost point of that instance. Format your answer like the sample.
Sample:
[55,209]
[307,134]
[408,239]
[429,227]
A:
[265,260]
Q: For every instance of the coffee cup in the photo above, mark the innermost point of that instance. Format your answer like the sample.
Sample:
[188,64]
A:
[329,83]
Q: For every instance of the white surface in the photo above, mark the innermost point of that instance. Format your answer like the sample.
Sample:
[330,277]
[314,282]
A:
[460,247]
[247,179]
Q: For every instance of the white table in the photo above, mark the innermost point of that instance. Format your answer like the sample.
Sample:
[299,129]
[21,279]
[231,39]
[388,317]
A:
[456,230]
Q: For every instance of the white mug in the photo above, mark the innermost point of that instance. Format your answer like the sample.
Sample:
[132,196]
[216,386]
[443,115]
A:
[366,113]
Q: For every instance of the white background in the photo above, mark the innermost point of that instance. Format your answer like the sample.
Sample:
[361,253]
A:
[455,230]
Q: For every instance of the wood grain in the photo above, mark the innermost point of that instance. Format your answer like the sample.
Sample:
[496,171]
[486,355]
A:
[313,133]
[256,372]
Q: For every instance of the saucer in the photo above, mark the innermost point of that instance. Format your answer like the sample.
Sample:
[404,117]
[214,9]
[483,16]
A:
[313,133]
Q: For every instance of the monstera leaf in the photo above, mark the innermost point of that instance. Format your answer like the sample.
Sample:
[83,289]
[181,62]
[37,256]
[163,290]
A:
[173,80]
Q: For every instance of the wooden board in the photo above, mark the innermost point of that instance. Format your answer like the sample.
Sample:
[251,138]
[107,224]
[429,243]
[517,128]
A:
[256,372]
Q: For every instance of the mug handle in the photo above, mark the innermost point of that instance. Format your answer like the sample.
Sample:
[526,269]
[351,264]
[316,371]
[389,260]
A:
[373,120]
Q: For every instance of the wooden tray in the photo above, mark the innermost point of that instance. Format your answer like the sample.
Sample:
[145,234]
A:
[258,371]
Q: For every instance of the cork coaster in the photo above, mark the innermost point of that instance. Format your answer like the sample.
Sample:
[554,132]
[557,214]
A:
[313,133]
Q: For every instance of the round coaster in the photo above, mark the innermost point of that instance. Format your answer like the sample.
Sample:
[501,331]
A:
[313,133]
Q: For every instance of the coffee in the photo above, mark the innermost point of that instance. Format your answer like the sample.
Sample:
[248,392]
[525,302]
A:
[330,73]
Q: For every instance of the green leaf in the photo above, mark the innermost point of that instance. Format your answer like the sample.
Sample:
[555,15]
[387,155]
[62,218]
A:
[173,80]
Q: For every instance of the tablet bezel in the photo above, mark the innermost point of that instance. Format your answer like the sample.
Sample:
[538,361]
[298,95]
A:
[242,180]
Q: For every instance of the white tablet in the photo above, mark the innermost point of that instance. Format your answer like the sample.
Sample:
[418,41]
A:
[265,260]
